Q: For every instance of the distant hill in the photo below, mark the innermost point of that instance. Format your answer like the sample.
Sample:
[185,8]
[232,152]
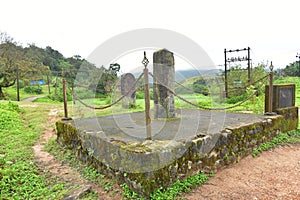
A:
[185,74]
[181,75]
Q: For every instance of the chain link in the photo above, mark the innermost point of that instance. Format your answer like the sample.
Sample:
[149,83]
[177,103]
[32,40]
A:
[178,96]
[206,108]
[112,104]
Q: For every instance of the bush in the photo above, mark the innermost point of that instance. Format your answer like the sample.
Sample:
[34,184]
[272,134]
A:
[141,95]
[236,99]
[33,89]
[59,97]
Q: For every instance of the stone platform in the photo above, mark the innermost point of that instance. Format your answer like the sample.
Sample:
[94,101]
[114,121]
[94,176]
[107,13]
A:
[188,124]
[194,141]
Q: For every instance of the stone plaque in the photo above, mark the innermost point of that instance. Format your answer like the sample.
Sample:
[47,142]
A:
[127,83]
[164,74]
[283,96]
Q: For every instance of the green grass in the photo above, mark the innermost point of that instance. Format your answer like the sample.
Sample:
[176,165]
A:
[11,93]
[281,139]
[20,178]
[87,172]
[172,192]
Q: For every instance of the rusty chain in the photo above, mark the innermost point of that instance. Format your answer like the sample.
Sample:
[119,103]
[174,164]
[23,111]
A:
[112,104]
[244,87]
[205,108]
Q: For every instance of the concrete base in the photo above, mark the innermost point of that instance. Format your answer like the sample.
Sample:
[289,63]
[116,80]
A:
[195,141]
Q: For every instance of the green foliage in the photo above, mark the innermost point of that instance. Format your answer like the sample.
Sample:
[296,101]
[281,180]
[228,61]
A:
[92,195]
[172,192]
[17,62]
[236,99]
[88,172]
[141,94]
[128,193]
[59,95]
[20,178]
[281,139]
[91,173]
[179,186]
[200,86]
[292,69]
[33,89]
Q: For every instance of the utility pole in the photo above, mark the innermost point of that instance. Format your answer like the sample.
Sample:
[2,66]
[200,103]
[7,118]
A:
[237,59]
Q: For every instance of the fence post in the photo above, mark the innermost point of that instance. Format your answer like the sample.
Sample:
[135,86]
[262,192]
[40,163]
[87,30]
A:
[270,109]
[18,84]
[147,98]
[56,85]
[65,95]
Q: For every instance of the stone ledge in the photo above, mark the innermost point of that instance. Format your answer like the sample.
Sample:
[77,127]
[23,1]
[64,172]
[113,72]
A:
[147,166]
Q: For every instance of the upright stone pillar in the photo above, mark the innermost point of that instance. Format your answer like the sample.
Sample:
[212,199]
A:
[164,74]
[127,83]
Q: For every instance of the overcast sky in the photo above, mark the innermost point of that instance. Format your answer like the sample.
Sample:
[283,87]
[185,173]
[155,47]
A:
[270,28]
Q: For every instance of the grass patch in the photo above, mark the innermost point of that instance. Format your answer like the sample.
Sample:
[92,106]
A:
[281,139]
[88,172]
[11,93]
[20,178]
[172,192]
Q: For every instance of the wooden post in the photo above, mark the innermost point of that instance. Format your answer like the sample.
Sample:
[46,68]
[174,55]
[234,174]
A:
[56,85]
[65,95]
[249,69]
[18,84]
[147,99]
[226,81]
[48,82]
[271,89]
[147,105]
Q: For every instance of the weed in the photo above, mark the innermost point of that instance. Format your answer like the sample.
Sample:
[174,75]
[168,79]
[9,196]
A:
[281,139]
[171,192]
[128,193]
[20,178]
[91,174]
[90,195]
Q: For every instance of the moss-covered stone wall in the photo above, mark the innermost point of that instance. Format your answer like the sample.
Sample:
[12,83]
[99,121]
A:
[157,165]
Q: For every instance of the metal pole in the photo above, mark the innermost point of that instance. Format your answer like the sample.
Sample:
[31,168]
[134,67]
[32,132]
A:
[226,81]
[249,81]
[65,95]
[147,98]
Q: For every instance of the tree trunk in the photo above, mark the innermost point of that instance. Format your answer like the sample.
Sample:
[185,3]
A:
[1,93]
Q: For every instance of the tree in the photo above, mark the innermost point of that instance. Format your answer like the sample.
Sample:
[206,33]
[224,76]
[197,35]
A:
[10,54]
[292,69]
[16,63]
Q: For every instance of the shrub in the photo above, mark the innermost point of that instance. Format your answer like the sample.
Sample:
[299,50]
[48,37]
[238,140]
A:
[236,99]
[33,89]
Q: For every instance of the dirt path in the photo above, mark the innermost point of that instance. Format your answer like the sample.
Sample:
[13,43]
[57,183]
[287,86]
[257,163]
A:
[31,99]
[273,175]
[48,163]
